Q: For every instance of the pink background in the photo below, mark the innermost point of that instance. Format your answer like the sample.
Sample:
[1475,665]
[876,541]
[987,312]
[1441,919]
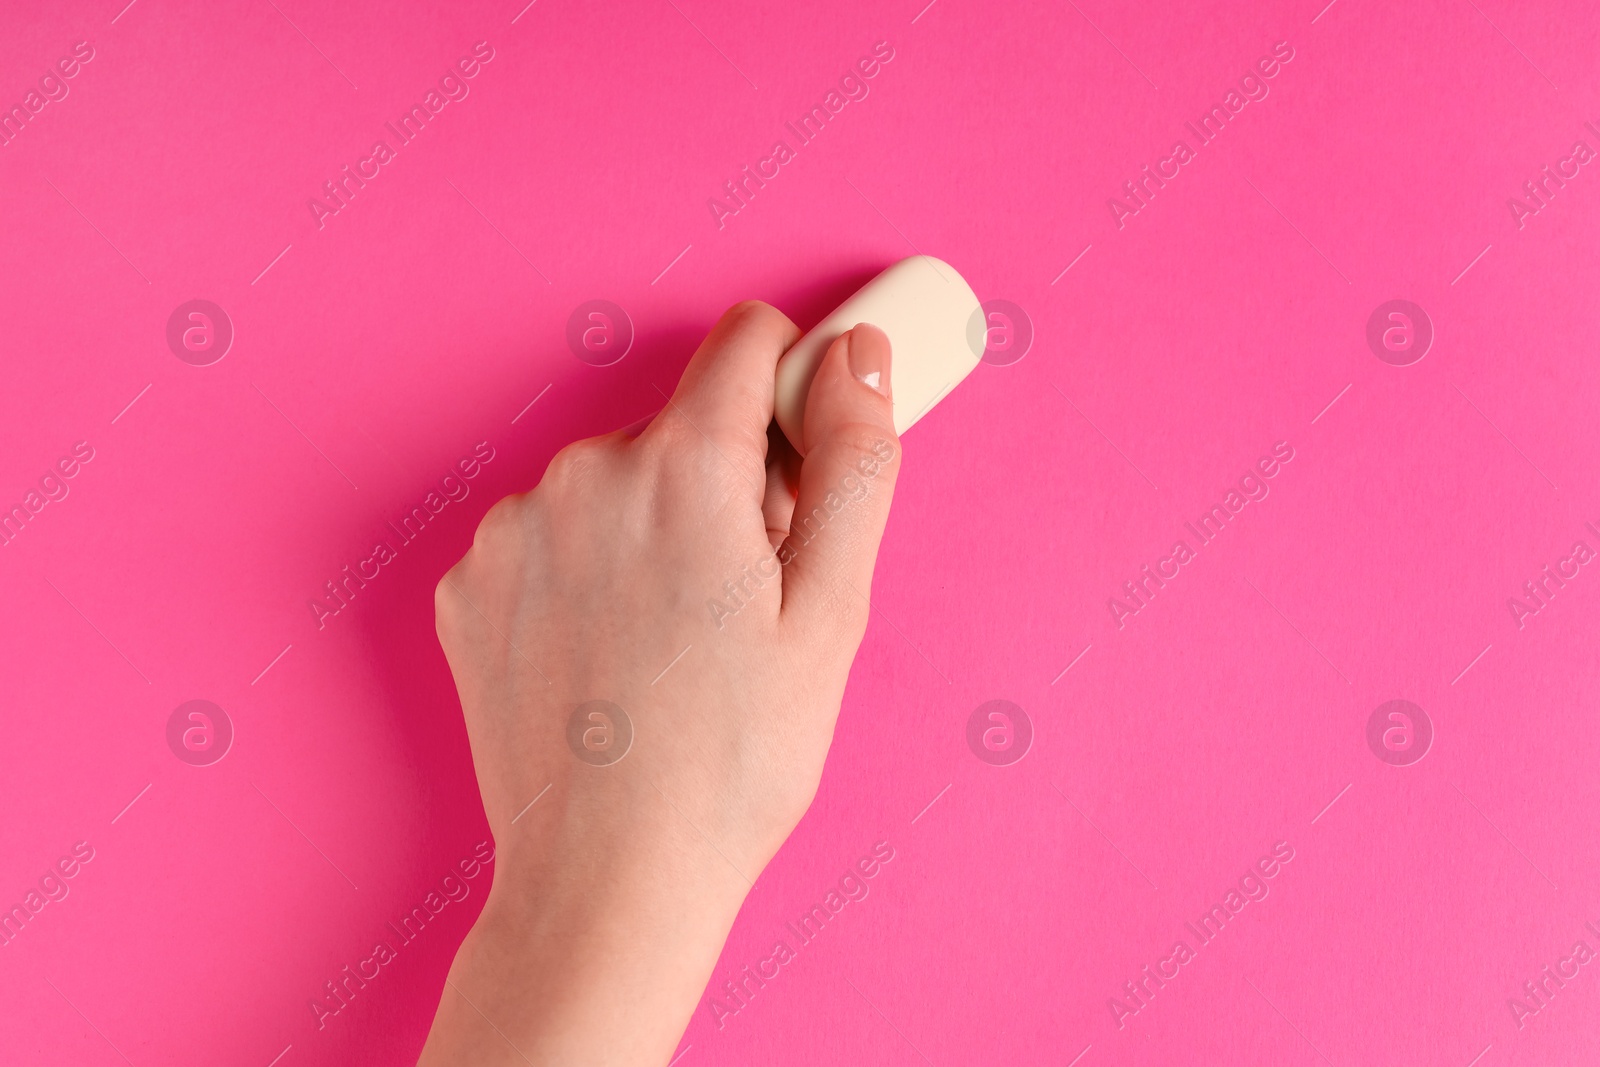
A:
[1223,317]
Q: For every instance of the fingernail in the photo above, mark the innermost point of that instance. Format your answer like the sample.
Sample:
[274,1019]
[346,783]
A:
[868,354]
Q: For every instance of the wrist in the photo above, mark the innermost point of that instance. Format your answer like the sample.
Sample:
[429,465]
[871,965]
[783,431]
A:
[595,942]
[604,841]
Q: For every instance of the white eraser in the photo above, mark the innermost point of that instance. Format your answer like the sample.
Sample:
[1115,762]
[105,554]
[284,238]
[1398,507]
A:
[926,309]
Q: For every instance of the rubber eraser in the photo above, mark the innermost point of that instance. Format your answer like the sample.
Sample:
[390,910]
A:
[926,309]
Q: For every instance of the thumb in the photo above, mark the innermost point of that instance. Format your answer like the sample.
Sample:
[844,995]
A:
[852,457]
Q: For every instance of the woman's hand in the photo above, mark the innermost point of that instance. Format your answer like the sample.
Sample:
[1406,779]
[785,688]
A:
[651,648]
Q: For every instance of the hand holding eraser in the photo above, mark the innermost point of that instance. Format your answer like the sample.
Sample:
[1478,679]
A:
[927,311]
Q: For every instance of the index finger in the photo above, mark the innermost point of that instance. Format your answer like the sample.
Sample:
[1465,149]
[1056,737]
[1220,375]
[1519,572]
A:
[726,390]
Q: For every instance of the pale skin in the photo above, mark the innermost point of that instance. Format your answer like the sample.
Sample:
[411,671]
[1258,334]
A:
[614,892]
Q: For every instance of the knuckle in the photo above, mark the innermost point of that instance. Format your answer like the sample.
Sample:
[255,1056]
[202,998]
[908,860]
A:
[745,308]
[500,516]
[690,458]
[562,465]
[503,524]
[575,463]
[762,316]
[670,434]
